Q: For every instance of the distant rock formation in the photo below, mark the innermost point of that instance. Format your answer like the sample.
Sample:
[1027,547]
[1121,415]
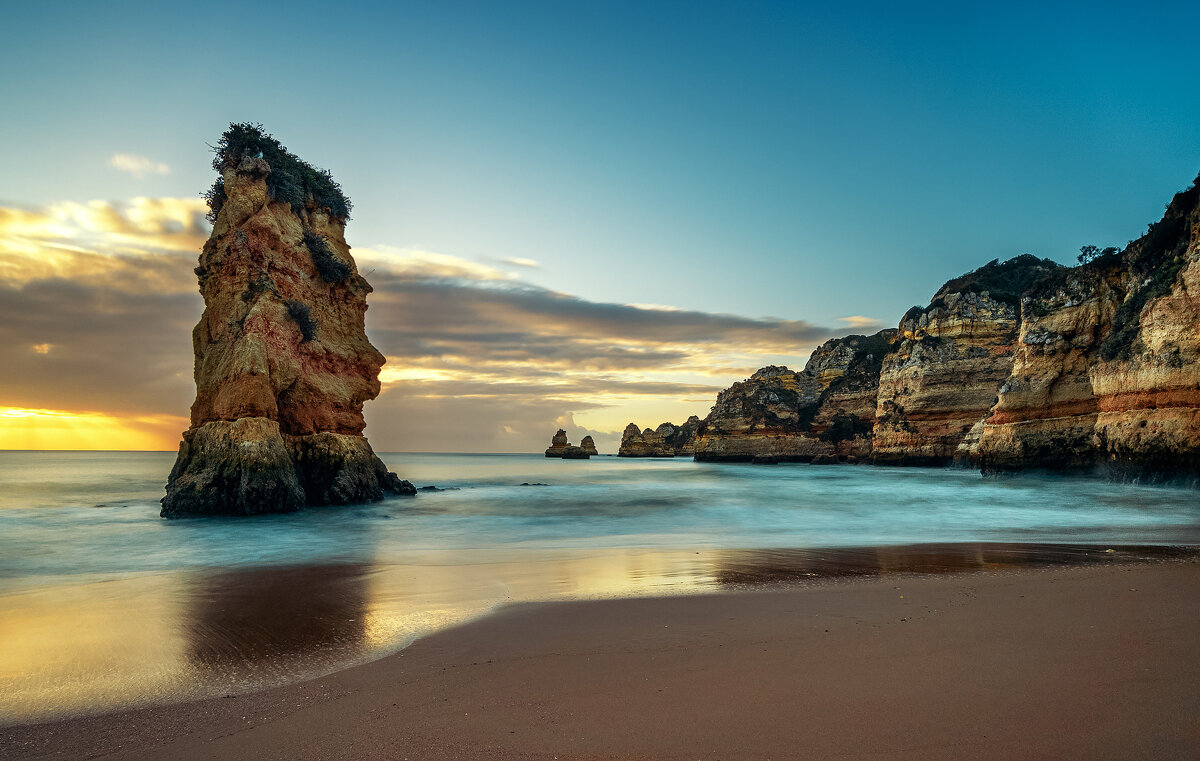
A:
[1018,364]
[561,447]
[786,416]
[668,440]
[558,444]
[283,365]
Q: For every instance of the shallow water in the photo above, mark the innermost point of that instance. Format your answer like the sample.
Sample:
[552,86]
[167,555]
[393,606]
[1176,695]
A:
[103,604]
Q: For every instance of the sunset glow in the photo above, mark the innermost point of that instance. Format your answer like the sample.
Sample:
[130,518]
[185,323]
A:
[23,428]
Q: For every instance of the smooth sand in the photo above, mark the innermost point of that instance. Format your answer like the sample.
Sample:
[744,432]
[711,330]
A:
[1064,663]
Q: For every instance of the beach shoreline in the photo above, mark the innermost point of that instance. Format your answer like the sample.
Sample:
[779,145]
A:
[1088,661]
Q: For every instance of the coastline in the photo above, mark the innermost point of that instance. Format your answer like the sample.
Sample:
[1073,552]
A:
[1094,661]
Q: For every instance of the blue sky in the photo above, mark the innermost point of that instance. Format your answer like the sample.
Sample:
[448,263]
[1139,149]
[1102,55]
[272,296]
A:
[780,160]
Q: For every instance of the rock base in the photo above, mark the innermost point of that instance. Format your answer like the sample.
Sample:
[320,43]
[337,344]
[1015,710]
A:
[249,467]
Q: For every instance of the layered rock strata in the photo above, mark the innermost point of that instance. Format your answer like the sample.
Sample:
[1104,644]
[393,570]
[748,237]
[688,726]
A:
[1019,364]
[1106,372]
[943,374]
[587,445]
[779,415]
[283,365]
[667,440]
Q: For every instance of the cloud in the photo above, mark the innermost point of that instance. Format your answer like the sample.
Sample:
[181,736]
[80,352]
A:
[523,262]
[863,323]
[138,166]
[98,300]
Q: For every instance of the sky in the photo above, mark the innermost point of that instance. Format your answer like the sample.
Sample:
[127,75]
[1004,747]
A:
[574,215]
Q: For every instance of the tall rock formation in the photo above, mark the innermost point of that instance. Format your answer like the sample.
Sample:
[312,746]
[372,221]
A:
[283,365]
[558,444]
[944,373]
[667,440]
[778,414]
[1107,368]
[588,445]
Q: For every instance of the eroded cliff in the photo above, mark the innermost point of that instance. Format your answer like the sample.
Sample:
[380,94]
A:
[944,373]
[780,415]
[667,440]
[282,362]
[1106,371]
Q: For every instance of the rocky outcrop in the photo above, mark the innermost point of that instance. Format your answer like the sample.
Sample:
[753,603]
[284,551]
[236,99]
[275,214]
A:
[944,373]
[1018,364]
[668,440]
[283,365]
[561,447]
[558,444]
[1106,371]
[782,415]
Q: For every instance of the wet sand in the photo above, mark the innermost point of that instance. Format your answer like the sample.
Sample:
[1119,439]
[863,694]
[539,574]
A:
[1094,662]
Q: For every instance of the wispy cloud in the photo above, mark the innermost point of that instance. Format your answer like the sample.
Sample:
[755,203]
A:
[521,261]
[864,323]
[97,303]
[138,166]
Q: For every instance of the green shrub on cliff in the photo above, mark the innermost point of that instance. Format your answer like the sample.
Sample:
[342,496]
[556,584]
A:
[330,266]
[301,314]
[292,180]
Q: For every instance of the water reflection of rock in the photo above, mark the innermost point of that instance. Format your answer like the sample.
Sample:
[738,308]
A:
[271,620]
[739,567]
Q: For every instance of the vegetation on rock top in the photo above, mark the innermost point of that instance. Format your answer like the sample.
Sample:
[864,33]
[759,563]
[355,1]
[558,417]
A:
[292,180]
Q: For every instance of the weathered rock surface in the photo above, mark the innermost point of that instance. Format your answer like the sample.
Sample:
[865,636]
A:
[1019,364]
[589,446]
[944,373]
[826,409]
[1106,371]
[668,440]
[283,365]
[558,444]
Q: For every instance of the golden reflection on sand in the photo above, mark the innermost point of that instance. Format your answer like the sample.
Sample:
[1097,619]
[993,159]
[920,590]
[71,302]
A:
[99,645]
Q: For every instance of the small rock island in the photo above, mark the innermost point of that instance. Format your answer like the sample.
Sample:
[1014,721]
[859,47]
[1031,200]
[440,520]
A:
[560,447]
[282,361]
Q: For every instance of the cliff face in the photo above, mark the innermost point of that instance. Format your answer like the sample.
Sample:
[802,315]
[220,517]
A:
[944,373]
[781,415]
[1019,364]
[668,440]
[1106,371]
[283,365]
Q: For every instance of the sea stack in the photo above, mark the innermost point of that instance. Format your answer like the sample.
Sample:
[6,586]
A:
[558,444]
[588,445]
[282,362]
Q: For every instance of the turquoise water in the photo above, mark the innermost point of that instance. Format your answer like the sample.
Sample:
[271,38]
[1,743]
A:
[103,604]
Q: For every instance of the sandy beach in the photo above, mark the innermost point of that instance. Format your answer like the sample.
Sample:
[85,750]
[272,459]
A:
[1080,662]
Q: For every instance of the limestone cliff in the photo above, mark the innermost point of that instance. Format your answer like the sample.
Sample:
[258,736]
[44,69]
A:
[781,415]
[668,440]
[283,365]
[588,445]
[1106,371]
[946,369]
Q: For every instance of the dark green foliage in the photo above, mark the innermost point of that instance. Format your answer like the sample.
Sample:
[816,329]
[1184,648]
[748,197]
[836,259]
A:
[330,266]
[301,314]
[292,180]
[1091,253]
[1004,281]
[1154,260]
[215,198]
[1036,309]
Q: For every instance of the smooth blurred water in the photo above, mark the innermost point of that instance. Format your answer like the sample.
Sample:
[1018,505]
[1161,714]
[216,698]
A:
[102,603]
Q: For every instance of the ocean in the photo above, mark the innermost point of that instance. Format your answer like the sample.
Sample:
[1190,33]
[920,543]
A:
[105,605]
